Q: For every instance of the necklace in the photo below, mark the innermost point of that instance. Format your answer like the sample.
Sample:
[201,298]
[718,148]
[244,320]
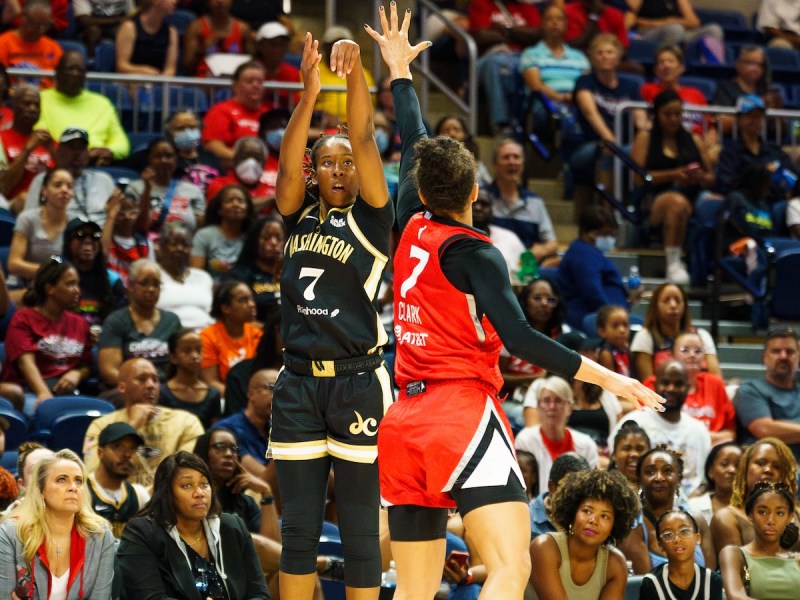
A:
[58,549]
[198,538]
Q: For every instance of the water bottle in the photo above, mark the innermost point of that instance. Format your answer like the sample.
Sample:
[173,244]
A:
[634,280]
[528,267]
[389,578]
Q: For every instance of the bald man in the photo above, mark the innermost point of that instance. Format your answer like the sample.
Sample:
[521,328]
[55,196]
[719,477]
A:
[164,430]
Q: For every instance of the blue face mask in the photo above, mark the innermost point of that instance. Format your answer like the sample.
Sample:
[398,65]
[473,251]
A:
[188,139]
[605,243]
[382,140]
[273,138]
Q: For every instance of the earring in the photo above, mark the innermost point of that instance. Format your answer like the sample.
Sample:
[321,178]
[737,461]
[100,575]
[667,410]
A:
[44,504]
[610,541]
[570,529]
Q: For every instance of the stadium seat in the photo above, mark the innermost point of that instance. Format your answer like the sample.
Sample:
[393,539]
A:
[105,57]
[141,140]
[9,461]
[17,431]
[784,62]
[73,45]
[68,431]
[706,85]
[52,409]
[732,21]
[180,20]
[784,305]
[643,52]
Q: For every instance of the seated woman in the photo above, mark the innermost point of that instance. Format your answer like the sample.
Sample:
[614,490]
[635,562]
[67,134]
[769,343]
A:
[594,509]
[680,168]
[630,444]
[184,388]
[260,265]
[677,532]
[767,459]
[720,470]
[139,330]
[217,245]
[102,289]
[51,352]
[53,539]
[146,43]
[660,472]
[186,291]
[250,160]
[162,197]
[195,164]
[183,546]
[233,337]
[39,232]
[212,33]
[667,315]
[760,569]
[455,127]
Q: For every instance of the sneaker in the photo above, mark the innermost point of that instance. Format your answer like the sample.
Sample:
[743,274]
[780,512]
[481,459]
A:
[678,274]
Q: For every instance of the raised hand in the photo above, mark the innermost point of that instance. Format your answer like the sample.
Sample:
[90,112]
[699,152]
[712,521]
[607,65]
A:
[396,50]
[309,66]
[344,57]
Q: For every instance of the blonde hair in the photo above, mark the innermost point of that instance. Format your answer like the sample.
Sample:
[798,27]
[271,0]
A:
[32,527]
[788,469]
[602,39]
[558,386]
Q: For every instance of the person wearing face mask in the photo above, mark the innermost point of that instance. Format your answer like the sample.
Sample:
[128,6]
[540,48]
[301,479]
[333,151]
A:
[249,157]
[589,279]
[195,164]
[272,128]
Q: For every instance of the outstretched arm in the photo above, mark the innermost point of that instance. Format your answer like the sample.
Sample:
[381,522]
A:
[290,187]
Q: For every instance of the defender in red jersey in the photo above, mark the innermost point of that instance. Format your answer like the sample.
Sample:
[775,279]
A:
[445,442]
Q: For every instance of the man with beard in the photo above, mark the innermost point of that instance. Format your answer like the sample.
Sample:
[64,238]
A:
[770,406]
[678,430]
[113,497]
[505,240]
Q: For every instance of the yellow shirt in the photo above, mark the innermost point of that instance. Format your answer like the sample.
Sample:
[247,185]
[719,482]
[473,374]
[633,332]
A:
[335,103]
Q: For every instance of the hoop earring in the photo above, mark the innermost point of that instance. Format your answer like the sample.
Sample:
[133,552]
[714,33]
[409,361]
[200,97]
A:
[570,529]
[611,541]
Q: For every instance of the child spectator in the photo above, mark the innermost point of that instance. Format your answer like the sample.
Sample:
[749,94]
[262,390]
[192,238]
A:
[122,244]
[613,326]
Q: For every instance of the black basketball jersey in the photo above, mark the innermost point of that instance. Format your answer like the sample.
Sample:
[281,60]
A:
[331,277]
[116,513]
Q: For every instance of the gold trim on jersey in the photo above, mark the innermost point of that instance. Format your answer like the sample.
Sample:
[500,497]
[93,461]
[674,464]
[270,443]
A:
[298,450]
[352,453]
[382,373]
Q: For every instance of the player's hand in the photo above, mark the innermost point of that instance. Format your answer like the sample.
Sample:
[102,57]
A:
[309,66]
[344,57]
[630,389]
[396,50]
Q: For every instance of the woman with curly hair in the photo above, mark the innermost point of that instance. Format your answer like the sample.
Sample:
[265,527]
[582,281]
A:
[768,459]
[594,509]
[54,539]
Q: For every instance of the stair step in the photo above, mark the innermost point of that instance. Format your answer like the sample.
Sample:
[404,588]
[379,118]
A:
[740,353]
[742,371]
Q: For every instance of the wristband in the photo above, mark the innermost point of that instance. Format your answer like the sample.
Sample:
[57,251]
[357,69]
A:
[267,500]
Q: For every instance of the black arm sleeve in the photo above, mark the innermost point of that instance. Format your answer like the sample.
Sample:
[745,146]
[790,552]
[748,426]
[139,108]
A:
[477,268]
[412,128]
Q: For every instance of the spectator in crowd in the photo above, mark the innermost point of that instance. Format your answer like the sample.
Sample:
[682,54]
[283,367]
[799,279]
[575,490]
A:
[260,265]
[272,44]
[761,568]
[184,388]
[551,437]
[752,77]
[671,22]
[11,9]
[631,442]
[162,196]
[667,315]
[98,20]
[6,117]
[588,278]
[541,507]
[92,189]
[614,329]
[768,406]
[230,120]
[213,33]
[233,337]
[139,330]
[146,43]
[183,520]
[333,103]
[102,290]
[247,171]
[501,31]
[271,129]
[122,244]
[661,471]
[766,460]
[452,126]
[680,168]
[517,208]
[530,473]
[503,239]
[677,531]
[164,430]
[38,232]
[27,47]
[593,510]
[113,497]
[195,164]
[257,12]
[720,470]
[780,23]
[70,105]
[29,454]
[185,291]
[217,245]
[25,151]
[9,491]
[681,432]
[269,355]
[55,531]
[587,18]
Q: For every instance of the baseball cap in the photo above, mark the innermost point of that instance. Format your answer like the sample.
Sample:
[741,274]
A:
[578,341]
[272,30]
[77,224]
[117,431]
[749,102]
[336,33]
[73,133]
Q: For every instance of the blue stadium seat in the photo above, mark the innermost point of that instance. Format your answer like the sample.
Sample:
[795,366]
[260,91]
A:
[105,57]
[784,62]
[705,84]
[732,21]
[784,305]
[118,94]
[73,45]
[69,430]
[779,226]
[17,431]
[644,52]
[180,20]
[7,222]
[48,412]
[9,461]
[140,140]
[638,80]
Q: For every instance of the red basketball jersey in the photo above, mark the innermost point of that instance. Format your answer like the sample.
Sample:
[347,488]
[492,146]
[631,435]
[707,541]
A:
[438,331]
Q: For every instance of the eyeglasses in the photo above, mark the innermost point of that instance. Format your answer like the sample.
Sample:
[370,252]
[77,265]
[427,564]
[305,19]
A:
[550,300]
[671,536]
[92,235]
[695,351]
[222,448]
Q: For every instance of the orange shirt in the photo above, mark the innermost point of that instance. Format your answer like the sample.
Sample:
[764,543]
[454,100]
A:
[43,54]
[222,350]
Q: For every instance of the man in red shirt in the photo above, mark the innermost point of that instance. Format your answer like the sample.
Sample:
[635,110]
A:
[272,44]
[24,152]
[238,117]
[587,18]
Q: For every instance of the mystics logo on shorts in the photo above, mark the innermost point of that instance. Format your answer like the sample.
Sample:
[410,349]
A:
[368,426]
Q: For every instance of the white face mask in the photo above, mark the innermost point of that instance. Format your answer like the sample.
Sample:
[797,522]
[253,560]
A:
[249,171]
[605,243]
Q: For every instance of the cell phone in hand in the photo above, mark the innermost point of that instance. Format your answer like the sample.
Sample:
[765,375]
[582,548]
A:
[459,556]
[24,589]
